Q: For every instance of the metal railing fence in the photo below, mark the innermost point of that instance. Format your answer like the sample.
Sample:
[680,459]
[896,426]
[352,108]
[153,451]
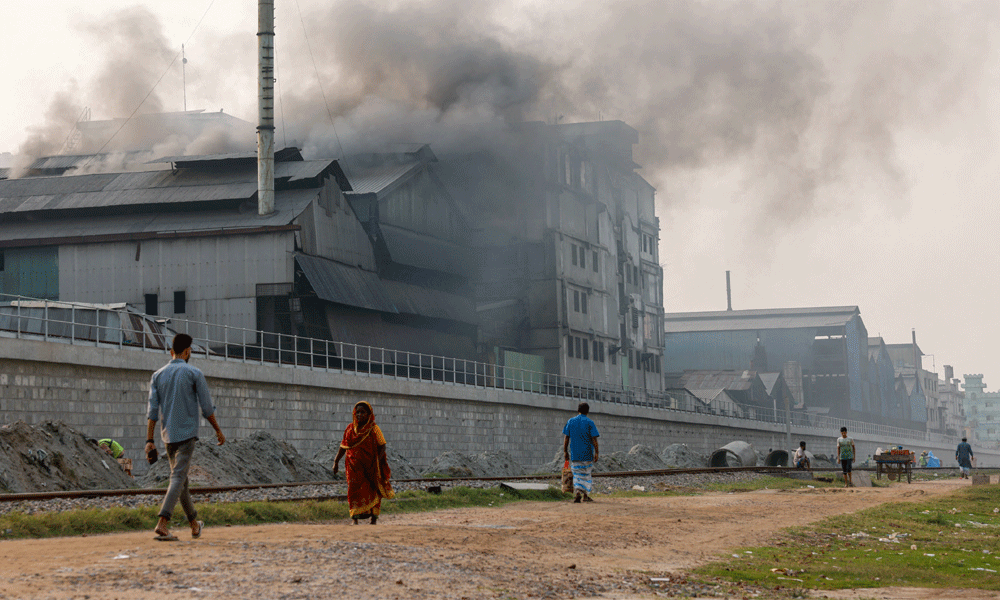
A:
[118,326]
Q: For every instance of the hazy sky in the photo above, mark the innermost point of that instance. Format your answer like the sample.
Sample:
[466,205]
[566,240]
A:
[827,153]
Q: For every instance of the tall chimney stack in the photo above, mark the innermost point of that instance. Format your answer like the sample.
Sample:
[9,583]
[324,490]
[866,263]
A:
[265,106]
[729,294]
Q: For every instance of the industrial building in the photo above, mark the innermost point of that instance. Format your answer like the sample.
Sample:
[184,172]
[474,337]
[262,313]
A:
[566,243]
[543,256]
[821,353]
[185,241]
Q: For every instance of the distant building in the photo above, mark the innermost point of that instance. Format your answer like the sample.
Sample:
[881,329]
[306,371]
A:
[982,412]
[913,384]
[822,353]
[952,400]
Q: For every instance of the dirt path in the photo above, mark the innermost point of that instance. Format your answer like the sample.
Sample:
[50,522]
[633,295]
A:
[556,550]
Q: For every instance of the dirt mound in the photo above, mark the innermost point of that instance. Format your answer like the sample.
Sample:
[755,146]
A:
[484,464]
[400,467]
[261,458]
[52,457]
[638,458]
[679,456]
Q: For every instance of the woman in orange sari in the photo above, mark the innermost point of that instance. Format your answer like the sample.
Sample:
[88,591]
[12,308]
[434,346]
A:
[366,465]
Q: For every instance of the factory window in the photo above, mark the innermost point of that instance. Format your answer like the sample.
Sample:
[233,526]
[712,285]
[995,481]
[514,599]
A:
[583,258]
[574,254]
[645,245]
[635,274]
[614,357]
[576,300]
[151,304]
[586,349]
[583,302]
[179,303]
[635,318]
[1,262]
[628,274]
[579,347]
[569,346]
[594,263]
[597,354]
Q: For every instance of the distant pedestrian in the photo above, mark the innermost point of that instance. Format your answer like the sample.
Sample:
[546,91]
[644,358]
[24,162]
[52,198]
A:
[801,459]
[923,460]
[366,465]
[964,456]
[845,455]
[580,448]
[176,393]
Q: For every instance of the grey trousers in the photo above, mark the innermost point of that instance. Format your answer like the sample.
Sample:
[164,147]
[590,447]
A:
[179,456]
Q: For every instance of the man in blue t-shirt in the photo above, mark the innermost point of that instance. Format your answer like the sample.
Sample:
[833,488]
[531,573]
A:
[580,448]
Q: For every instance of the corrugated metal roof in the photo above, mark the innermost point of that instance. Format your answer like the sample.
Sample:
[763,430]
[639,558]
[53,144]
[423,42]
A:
[730,380]
[774,318]
[144,188]
[287,206]
[285,154]
[417,250]
[379,179]
[426,302]
[344,284]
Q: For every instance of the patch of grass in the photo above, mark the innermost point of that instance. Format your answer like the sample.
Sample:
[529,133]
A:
[767,482]
[955,537]
[96,521]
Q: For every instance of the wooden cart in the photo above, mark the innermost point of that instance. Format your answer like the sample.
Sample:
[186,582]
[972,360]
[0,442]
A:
[894,466]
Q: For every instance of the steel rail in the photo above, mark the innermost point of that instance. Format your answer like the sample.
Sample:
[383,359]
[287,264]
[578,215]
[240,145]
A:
[89,494]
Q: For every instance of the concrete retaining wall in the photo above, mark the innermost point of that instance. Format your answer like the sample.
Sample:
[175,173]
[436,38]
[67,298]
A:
[102,392]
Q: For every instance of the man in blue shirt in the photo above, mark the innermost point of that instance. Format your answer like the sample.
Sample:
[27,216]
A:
[176,392]
[963,454]
[580,448]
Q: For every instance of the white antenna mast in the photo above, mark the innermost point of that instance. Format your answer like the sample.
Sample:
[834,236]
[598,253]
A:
[184,62]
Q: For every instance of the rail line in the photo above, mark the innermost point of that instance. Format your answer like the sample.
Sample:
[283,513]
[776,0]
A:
[205,490]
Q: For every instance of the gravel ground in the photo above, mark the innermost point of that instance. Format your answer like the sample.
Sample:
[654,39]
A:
[601,485]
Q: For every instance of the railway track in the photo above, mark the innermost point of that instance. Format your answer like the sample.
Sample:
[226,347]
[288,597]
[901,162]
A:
[208,490]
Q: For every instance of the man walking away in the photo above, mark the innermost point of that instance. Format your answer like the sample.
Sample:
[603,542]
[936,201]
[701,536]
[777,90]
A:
[963,454]
[580,448]
[845,455]
[176,392]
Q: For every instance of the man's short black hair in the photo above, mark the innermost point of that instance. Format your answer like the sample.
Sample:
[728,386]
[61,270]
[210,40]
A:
[583,409]
[182,342]
[965,439]
[802,444]
[843,429]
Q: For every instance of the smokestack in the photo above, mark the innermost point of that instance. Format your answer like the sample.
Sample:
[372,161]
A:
[916,354]
[729,294]
[265,106]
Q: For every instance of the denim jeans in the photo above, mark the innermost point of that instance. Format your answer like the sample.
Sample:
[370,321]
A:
[179,455]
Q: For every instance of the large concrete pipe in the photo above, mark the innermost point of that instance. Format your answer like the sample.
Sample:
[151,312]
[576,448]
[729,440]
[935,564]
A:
[776,458]
[734,454]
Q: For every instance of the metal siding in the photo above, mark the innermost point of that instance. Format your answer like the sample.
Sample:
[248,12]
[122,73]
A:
[32,272]
[343,284]
[425,252]
[214,272]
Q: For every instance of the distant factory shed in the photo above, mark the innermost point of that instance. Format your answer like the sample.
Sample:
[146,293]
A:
[185,241]
[822,353]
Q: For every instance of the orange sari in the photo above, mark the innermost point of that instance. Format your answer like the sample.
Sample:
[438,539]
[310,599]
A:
[367,473]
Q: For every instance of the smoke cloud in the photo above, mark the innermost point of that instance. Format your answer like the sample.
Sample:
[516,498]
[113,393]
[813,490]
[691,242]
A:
[802,96]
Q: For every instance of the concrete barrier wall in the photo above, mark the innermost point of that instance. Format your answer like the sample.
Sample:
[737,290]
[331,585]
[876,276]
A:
[103,392]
